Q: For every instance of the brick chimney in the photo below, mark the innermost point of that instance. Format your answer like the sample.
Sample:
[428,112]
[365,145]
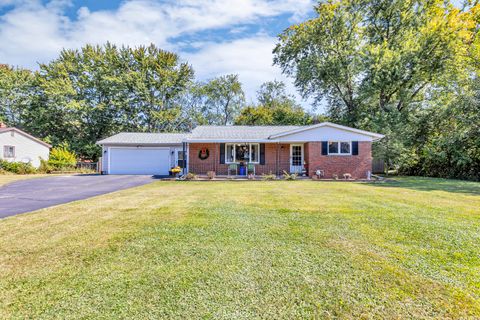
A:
[3,125]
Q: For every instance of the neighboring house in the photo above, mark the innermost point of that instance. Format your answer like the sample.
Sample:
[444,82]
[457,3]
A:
[329,147]
[17,145]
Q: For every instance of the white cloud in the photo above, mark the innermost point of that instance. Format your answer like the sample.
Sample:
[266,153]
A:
[250,58]
[34,32]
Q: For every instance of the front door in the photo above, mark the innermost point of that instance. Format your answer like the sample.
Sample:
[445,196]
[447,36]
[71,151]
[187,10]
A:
[296,158]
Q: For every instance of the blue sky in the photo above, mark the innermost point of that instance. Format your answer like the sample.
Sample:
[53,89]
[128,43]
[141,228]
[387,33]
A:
[216,36]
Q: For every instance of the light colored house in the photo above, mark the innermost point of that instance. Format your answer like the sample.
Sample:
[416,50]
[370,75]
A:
[334,149]
[17,145]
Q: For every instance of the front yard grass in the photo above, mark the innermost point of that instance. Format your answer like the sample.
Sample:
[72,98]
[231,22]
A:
[242,250]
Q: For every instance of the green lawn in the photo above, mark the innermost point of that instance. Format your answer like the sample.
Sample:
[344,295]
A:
[238,250]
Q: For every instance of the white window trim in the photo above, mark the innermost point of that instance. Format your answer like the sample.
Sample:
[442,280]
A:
[339,149]
[249,152]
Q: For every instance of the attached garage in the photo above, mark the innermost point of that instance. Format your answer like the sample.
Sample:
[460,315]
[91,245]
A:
[151,161]
[142,153]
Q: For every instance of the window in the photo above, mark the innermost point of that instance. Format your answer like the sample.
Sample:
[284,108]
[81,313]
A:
[339,148]
[244,152]
[254,152]
[230,155]
[345,147]
[9,152]
[332,147]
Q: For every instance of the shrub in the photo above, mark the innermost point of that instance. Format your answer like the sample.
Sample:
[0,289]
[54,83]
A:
[17,167]
[26,168]
[190,176]
[211,175]
[61,158]
[269,177]
[44,166]
[335,176]
[288,176]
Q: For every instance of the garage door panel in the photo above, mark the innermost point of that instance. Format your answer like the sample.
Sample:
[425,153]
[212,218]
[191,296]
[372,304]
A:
[155,161]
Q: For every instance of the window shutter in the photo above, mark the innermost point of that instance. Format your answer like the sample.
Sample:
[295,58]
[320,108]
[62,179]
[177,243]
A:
[262,153]
[355,148]
[222,153]
[324,148]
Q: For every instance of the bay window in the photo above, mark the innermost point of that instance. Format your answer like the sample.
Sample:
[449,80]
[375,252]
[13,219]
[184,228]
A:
[242,152]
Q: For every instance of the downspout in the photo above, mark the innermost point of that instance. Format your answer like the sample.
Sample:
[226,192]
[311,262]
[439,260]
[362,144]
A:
[184,151]
[215,146]
[277,159]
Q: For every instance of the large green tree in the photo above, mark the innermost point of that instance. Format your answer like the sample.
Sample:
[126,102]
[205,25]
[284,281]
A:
[380,54]
[97,91]
[224,99]
[17,94]
[445,141]
[376,64]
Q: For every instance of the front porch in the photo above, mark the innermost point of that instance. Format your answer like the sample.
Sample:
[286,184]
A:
[241,159]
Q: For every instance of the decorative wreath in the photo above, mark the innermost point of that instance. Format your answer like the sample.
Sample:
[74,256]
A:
[203,154]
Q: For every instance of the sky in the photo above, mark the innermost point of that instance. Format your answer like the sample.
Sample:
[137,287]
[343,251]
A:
[216,37]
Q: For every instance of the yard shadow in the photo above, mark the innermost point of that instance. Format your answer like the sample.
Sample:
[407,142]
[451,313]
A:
[432,184]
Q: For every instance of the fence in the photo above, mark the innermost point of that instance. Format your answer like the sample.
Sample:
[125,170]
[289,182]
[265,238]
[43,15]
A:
[90,166]
[378,166]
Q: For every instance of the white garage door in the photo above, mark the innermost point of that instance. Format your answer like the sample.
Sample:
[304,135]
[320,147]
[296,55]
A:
[139,161]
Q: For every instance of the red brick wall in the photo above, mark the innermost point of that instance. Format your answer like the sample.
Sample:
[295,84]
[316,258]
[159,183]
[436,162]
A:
[357,165]
[198,166]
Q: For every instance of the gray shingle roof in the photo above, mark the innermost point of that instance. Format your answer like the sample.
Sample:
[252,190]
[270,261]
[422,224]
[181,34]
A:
[145,138]
[221,133]
[237,132]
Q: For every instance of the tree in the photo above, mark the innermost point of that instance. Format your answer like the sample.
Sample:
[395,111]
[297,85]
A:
[224,99]
[16,94]
[445,141]
[378,54]
[97,91]
[275,107]
[156,79]
[377,63]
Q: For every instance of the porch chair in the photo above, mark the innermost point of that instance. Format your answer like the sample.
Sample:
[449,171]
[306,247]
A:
[233,167]
[250,168]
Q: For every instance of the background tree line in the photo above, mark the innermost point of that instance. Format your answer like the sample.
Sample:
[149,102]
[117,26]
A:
[88,94]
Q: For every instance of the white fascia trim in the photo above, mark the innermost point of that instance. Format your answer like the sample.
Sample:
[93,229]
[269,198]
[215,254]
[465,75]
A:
[131,144]
[229,140]
[328,124]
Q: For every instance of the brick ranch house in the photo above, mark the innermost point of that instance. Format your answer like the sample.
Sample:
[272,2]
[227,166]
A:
[329,147]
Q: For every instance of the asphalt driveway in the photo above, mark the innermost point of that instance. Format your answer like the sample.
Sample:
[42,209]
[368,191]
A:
[33,194]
